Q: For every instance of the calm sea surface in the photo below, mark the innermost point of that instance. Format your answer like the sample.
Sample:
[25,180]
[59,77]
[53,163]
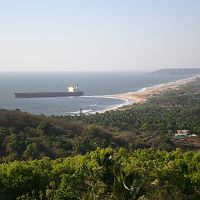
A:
[94,84]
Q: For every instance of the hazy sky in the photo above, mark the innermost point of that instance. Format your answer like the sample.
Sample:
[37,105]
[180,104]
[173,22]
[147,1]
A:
[99,34]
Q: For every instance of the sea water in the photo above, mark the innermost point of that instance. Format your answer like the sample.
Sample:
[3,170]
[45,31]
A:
[96,87]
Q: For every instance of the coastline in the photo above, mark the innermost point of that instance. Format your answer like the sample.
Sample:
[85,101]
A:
[126,102]
[142,95]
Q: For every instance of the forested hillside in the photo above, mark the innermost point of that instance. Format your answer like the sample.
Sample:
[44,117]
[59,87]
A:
[24,136]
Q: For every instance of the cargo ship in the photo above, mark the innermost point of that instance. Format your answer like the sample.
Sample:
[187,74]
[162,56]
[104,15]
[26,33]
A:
[72,91]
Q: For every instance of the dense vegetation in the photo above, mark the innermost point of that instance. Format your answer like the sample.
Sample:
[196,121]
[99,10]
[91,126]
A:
[105,174]
[24,136]
[110,171]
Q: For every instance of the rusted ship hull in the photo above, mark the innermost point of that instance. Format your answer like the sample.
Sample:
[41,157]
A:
[48,94]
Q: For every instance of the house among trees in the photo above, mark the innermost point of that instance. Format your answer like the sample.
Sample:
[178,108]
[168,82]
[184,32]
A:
[180,134]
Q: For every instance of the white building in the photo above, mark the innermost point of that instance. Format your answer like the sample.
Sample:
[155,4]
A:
[184,134]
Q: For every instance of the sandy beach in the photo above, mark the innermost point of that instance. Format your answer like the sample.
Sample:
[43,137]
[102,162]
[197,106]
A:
[143,95]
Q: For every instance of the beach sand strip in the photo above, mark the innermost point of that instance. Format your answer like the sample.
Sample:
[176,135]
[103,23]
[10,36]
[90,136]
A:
[143,95]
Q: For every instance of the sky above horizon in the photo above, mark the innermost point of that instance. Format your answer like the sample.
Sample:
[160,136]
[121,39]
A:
[78,35]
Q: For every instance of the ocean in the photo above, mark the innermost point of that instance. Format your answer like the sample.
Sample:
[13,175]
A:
[96,85]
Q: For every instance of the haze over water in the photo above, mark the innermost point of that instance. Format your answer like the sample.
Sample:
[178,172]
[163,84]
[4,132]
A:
[94,84]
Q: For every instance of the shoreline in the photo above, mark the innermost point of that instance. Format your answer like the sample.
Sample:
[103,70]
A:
[142,95]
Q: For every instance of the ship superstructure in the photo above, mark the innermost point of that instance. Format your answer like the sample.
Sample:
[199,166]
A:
[73,89]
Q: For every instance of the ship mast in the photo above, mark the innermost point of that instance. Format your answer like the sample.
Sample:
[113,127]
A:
[76,87]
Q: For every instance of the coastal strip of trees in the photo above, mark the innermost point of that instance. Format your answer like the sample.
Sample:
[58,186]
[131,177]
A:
[172,110]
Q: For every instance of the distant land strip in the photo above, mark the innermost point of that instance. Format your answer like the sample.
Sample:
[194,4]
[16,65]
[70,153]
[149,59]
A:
[177,71]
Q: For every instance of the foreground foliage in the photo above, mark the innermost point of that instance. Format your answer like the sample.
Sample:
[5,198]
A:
[105,174]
